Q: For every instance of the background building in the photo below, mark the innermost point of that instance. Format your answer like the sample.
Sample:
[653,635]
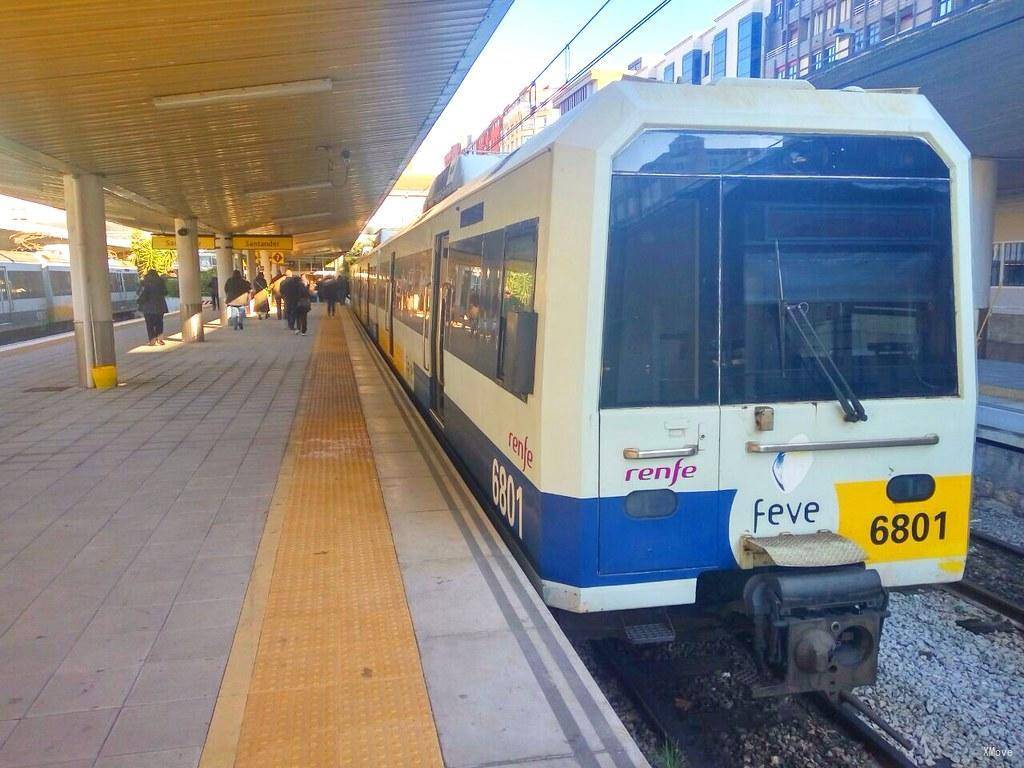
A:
[806,36]
[733,46]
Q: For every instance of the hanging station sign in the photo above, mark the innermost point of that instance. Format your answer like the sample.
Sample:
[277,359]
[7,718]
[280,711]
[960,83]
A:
[261,242]
[168,242]
[165,242]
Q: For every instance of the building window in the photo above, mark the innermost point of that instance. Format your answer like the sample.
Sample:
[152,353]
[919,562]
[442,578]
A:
[943,8]
[858,41]
[874,34]
[805,66]
[830,54]
[669,73]
[748,44]
[844,10]
[817,59]
[707,64]
[791,70]
[718,48]
[819,23]
[830,18]
[691,68]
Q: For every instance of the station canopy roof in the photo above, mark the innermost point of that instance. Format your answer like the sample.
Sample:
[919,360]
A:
[268,116]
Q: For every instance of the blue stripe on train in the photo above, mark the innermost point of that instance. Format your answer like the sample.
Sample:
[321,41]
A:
[592,542]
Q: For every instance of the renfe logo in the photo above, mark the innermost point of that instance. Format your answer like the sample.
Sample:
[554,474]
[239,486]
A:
[676,471]
[521,448]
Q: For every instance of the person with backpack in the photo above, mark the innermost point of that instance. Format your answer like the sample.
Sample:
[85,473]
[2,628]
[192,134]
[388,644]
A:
[261,297]
[153,305]
[236,293]
[303,303]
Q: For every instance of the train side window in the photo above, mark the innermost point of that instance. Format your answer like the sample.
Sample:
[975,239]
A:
[661,294]
[519,280]
[474,272]
[26,285]
[412,276]
[131,282]
[60,282]
[465,277]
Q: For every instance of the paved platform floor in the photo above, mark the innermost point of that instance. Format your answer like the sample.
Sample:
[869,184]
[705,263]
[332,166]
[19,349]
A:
[209,507]
[128,523]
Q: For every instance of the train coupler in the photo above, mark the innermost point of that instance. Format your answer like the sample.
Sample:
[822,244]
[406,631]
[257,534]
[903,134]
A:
[816,631]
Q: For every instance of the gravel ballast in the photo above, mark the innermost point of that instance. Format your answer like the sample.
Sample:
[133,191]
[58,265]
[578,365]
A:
[954,693]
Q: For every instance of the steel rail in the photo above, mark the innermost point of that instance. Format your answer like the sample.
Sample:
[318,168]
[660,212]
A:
[849,714]
[992,541]
[988,599]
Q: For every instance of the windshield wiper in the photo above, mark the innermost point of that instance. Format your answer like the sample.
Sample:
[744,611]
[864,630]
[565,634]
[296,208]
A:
[853,409]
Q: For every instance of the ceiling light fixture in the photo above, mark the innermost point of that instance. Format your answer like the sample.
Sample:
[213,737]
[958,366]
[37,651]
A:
[248,93]
[294,188]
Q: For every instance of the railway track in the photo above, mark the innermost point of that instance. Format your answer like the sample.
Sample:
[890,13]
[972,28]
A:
[985,594]
[695,736]
[992,541]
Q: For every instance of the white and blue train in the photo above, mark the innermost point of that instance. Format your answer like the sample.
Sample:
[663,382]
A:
[708,345]
[35,293]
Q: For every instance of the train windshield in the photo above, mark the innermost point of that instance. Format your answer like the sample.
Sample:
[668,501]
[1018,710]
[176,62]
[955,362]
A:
[745,287]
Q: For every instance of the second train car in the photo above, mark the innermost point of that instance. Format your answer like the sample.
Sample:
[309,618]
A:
[706,345]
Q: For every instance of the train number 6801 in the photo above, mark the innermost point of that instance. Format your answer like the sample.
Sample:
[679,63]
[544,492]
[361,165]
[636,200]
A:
[507,496]
[904,527]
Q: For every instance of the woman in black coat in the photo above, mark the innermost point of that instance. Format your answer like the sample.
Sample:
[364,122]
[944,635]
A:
[153,305]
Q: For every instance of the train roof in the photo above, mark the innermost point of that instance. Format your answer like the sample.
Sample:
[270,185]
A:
[606,121]
[51,259]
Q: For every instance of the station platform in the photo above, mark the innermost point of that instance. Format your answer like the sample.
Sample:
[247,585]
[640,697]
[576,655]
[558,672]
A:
[1001,402]
[252,553]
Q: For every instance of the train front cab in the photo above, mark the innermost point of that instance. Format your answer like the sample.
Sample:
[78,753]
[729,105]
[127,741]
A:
[786,398]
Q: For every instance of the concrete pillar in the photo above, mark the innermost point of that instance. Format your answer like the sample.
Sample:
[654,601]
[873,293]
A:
[224,267]
[90,281]
[265,264]
[250,266]
[188,279]
[984,179]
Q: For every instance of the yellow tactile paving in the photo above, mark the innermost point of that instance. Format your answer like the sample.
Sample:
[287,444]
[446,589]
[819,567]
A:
[336,679]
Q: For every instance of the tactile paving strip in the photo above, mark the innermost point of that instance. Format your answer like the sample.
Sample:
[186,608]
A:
[337,679]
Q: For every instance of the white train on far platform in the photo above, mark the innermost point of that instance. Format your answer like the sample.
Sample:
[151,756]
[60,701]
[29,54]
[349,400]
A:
[712,346]
[35,293]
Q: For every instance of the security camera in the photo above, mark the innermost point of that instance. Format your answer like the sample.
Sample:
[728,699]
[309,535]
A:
[183,231]
[345,154]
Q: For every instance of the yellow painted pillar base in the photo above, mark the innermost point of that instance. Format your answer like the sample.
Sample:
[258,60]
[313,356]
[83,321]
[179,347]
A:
[104,376]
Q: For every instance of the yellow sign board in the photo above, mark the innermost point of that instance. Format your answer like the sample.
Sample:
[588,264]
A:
[277,258]
[261,242]
[163,242]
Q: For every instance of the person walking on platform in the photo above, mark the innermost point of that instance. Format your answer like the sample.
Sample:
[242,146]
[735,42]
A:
[328,292]
[214,293]
[153,305]
[303,303]
[291,288]
[236,292]
[261,298]
[341,288]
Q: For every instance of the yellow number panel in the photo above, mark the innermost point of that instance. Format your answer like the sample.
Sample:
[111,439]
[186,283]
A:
[888,531]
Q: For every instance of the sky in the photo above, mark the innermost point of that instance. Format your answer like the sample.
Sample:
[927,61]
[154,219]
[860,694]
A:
[532,33]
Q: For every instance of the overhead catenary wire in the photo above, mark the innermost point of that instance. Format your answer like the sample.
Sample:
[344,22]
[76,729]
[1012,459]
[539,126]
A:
[583,70]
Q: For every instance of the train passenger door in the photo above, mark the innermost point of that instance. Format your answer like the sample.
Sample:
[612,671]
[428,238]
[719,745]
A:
[390,318]
[5,298]
[660,505]
[836,339]
[440,302]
